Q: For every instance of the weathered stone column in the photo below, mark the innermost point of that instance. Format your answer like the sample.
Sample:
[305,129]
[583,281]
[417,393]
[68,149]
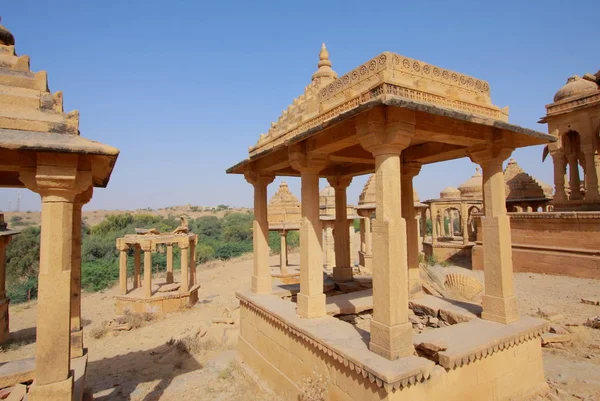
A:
[409,171]
[385,133]
[591,179]
[122,247]
[3,244]
[184,247]
[193,262]
[283,251]
[329,246]
[342,270]
[261,275]
[76,328]
[4,302]
[435,225]
[137,267]
[574,181]
[368,237]
[147,287]
[353,252]
[169,263]
[363,245]
[311,300]
[464,221]
[499,302]
[58,179]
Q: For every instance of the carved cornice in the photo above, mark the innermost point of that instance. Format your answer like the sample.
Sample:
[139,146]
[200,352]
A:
[353,365]
[568,105]
[386,74]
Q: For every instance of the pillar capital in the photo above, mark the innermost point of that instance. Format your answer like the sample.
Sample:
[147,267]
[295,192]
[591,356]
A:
[305,162]
[410,169]
[339,183]
[146,246]
[56,177]
[84,197]
[490,152]
[122,245]
[259,179]
[385,130]
[183,244]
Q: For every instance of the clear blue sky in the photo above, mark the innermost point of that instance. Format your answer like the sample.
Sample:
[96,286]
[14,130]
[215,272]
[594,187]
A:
[182,88]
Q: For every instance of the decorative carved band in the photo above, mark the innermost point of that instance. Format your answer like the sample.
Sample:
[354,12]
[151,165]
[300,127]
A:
[268,141]
[556,108]
[352,365]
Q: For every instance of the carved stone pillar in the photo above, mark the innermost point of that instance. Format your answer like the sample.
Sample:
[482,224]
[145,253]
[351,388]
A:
[311,300]
[574,181]
[409,171]
[169,263]
[464,221]
[435,225]
[499,302]
[137,267]
[342,270]
[76,328]
[385,133]
[122,247]
[193,262]
[184,247]
[147,287]
[58,179]
[328,244]
[261,275]
[591,178]
[368,237]
[283,252]
[4,301]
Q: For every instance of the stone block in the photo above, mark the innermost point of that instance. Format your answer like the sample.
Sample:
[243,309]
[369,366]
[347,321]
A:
[58,391]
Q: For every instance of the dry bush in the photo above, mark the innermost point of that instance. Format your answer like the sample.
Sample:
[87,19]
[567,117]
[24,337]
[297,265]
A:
[136,320]
[199,345]
[99,331]
[313,388]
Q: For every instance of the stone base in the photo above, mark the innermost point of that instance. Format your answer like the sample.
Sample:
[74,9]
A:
[59,391]
[454,252]
[341,274]
[484,360]
[4,329]
[365,262]
[159,303]
[286,277]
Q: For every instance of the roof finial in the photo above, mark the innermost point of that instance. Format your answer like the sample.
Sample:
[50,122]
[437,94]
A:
[324,74]
[6,38]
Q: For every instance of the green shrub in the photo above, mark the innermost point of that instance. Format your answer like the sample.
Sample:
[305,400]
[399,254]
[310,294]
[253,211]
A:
[204,253]
[22,291]
[96,276]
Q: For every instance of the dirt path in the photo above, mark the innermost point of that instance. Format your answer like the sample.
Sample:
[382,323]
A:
[144,365]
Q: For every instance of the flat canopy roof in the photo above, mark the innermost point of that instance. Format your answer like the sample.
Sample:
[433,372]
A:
[13,142]
[453,112]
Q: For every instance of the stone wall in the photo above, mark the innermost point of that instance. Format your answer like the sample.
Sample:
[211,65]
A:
[283,360]
[560,243]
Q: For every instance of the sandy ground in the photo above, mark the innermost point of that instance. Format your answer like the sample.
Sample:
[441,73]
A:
[143,364]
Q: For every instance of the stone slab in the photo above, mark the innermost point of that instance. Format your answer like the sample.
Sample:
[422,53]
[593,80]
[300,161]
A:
[79,366]
[352,302]
[478,338]
[449,310]
[287,290]
[342,339]
[14,372]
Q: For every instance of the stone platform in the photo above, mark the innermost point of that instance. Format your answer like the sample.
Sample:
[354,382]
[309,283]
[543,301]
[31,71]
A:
[291,276]
[451,251]
[483,360]
[159,303]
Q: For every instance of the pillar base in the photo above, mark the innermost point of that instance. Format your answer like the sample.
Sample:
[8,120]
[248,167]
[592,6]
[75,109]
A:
[169,278]
[76,343]
[341,274]
[58,391]
[311,306]
[500,310]
[262,285]
[391,342]
[415,286]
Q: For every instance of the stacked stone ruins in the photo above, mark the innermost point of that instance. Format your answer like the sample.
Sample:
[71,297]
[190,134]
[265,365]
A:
[41,149]
[389,116]
[157,297]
